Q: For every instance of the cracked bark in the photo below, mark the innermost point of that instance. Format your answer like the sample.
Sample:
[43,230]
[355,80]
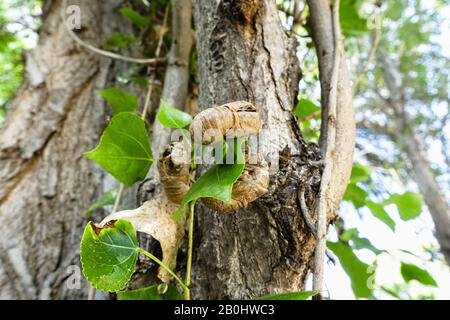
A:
[45,182]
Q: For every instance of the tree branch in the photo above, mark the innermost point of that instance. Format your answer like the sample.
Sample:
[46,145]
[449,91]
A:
[101,52]
[337,139]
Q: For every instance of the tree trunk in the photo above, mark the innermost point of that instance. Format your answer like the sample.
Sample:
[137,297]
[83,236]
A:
[421,167]
[244,54]
[45,182]
[434,198]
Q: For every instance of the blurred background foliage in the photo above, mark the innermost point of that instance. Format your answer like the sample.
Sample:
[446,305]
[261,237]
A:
[383,245]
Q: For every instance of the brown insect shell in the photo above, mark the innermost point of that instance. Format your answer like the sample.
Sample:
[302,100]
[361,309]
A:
[251,185]
[174,174]
[235,119]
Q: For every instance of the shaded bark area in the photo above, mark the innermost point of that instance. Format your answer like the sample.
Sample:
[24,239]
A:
[244,54]
[45,182]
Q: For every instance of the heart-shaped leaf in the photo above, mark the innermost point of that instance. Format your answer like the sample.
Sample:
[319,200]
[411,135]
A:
[173,118]
[119,100]
[217,182]
[109,254]
[154,218]
[124,149]
[159,292]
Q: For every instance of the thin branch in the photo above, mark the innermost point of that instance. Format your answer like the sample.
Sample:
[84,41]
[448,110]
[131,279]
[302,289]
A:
[330,158]
[190,247]
[305,211]
[376,38]
[102,52]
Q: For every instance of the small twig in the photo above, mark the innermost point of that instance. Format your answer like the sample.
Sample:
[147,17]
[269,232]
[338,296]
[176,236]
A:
[101,52]
[310,222]
[190,248]
[159,262]
[157,54]
[330,155]
[305,211]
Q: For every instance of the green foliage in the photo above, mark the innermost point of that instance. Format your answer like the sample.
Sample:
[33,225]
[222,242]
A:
[305,108]
[109,255]
[135,17]
[304,295]
[351,21]
[357,243]
[412,272]
[359,272]
[356,195]
[124,149]
[108,198]
[378,212]
[12,45]
[217,182]
[172,117]
[119,100]
[409,204]
[157,292]
[360,173]
[118,40]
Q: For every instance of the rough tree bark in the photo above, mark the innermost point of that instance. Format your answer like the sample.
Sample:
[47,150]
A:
[45,182]
[244,54]
[422,171]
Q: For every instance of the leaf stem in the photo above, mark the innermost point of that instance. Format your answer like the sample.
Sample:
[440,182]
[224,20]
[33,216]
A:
[152,257]
[190,244]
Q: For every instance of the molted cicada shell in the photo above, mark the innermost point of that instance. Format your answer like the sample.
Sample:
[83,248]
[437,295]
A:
[174,170]
[234,119]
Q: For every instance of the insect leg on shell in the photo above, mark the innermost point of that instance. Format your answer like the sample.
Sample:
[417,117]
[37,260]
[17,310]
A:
[174,171]
[234,119]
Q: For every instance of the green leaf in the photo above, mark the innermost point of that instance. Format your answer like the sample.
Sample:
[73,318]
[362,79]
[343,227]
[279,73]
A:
[351,21]
[409,204]
[358,271]
[381,214]
[119,100]
[356,195]
[412,272]
[108,255]
[217,182]
[124,149]
[358,243]
[108,198]
[305,108]
[172,117]
[360,173]
[135,17]
[304,295]
[157,292]
[118,40]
